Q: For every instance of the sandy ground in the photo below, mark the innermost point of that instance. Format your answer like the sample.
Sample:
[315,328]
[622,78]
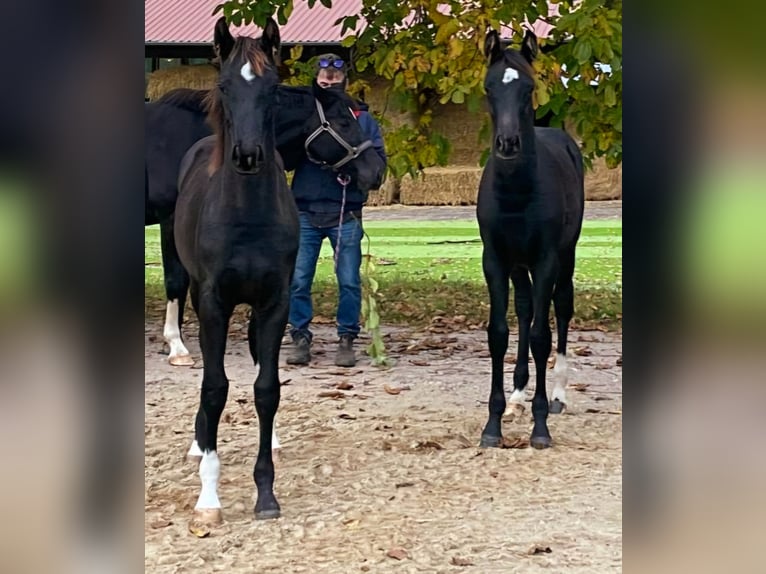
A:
[370,474]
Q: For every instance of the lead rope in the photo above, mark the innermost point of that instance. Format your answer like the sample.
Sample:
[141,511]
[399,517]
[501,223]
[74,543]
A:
[344,180]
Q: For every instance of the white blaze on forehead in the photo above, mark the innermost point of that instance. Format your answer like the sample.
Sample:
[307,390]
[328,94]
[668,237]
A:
[510,75]
[247,72]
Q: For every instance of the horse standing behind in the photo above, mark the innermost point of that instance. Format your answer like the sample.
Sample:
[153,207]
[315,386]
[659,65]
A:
[530,210]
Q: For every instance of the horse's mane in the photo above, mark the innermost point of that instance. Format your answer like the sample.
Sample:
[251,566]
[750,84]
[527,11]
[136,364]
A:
[185,98]
[247,49]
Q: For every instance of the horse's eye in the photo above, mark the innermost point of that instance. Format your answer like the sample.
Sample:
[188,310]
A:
[224,88]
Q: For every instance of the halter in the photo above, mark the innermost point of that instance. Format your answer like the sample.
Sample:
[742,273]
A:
[324,126]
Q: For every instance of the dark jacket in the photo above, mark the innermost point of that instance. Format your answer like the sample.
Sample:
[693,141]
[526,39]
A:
[317,190]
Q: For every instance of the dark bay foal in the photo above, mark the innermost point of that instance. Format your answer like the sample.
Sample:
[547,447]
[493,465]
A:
[236,231]
[530,210]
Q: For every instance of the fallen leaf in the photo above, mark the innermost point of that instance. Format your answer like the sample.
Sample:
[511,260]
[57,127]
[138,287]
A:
[580,387]
[392,390]
[161,523]
[347,417]
[425,444]
[404,484]
[493,473]
[619,361]
[591,411]
[582,351]
[380,261]
[457,561]
[331,394]
[344,386]
[600,398]
[420,363]
[517,442]
[285,382]
[535,549]
[242,401]
[397,553]
[199,529]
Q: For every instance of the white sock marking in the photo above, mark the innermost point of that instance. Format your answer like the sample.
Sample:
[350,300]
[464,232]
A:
[247,72]
[209,471]
[171,332]
[194,450]
[518,396]
[560,374]
[510,75]
[274,439]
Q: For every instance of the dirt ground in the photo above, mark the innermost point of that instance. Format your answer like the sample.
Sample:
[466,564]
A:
[369,473]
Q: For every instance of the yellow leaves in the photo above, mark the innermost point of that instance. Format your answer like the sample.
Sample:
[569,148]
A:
[455,48]
[540,96]
[446,31]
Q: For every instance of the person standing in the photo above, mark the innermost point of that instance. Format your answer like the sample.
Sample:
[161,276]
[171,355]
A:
[319,197]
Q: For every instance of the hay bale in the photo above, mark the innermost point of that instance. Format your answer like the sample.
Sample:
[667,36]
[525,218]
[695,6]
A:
[202,77]
[452,185]
[602,183]
[386,195]
[462,129]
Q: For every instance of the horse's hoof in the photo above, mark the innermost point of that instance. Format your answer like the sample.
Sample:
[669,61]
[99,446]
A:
[514,410]
[540,442]
[208,516]
[181,361]
[267,510]
[267,514]
[556,407]
[488,441]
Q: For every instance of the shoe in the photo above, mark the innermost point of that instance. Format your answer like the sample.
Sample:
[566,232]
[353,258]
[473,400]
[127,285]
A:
[300,354]
[345,356]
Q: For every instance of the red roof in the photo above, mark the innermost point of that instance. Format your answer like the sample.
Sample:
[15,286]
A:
[192,21]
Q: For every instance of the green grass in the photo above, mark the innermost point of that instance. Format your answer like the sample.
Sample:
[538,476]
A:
[434,268]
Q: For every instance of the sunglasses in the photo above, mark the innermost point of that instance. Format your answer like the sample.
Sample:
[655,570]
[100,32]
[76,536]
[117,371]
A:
[336,63]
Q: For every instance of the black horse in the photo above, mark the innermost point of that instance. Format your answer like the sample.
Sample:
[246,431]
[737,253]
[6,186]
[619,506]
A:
[236,231]
[530,209]
[178,120]
[172,124]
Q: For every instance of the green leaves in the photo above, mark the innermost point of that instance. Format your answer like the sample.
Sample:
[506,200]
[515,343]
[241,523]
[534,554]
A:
[437,57]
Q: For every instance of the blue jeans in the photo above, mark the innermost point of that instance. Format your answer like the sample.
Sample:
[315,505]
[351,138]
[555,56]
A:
[349,280]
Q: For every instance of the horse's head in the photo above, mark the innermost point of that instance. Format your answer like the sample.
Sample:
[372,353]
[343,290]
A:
[241,106]
[335,139]
[509,85]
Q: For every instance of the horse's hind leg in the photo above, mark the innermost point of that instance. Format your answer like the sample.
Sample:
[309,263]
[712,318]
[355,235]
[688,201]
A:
[496,276]
[214,321]
[522,297]
[176,286]
[252,338]
[563,304]
[269,331]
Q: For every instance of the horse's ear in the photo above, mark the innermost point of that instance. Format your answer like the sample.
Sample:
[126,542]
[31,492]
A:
[492,49]
[270,41]
[223,41]
[529,46]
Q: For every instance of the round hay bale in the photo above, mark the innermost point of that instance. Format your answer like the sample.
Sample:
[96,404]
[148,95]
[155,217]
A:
[202,77]
[602,183]
[452,185]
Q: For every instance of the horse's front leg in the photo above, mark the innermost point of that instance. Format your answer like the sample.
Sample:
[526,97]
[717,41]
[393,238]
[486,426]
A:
[522,297]
[214,321]
[496,276]
[269,331]
[176,286]
[252,339]
[543,277]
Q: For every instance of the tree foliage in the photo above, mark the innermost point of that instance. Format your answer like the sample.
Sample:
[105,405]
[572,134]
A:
[432,52]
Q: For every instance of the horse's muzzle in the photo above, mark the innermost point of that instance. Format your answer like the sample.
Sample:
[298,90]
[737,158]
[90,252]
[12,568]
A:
[507,148]
[247,162]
